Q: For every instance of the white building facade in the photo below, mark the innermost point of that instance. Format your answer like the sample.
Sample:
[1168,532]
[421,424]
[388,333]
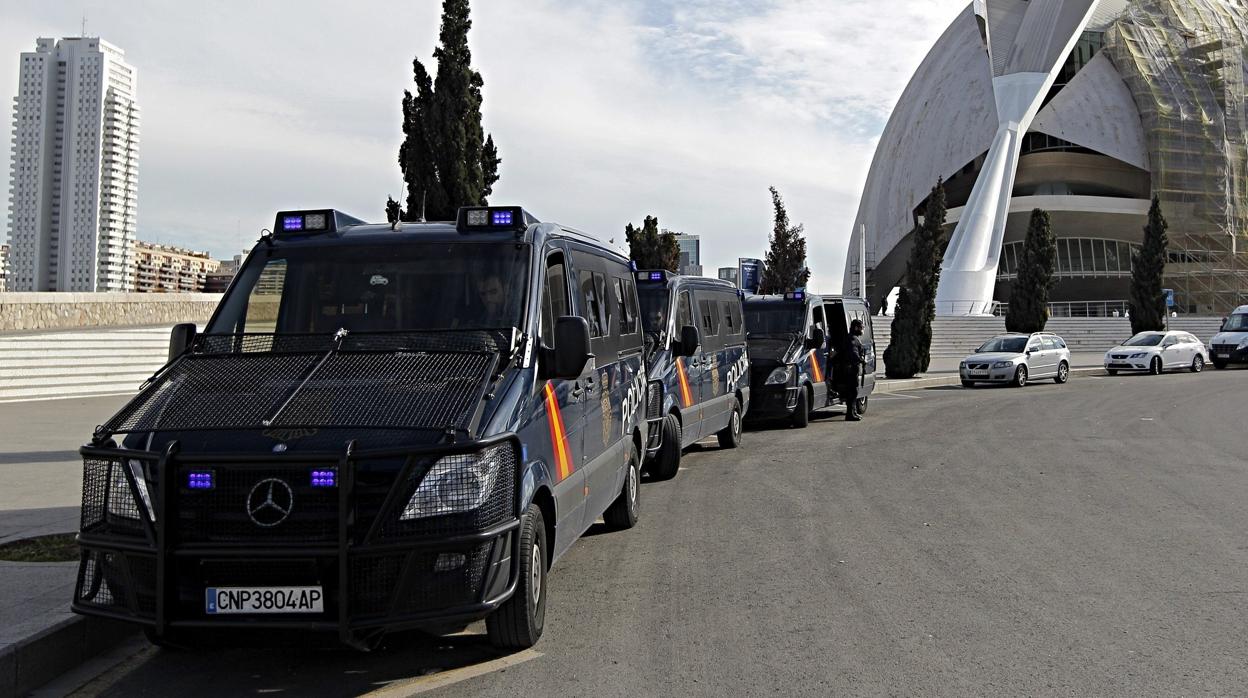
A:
[74,173]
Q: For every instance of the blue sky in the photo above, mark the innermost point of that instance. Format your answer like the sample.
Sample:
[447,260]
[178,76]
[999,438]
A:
[603,112]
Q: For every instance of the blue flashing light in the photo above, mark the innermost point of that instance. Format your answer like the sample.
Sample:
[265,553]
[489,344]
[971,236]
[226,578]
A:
[325,478]
[795,296]
[503,217]
[199,480]
[292,222]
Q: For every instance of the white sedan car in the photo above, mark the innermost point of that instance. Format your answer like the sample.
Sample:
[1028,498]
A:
[1155,352]
[1016,358]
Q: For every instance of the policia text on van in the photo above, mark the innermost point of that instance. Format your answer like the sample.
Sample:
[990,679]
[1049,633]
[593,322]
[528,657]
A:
[381,428]
[695,346]
[792,339]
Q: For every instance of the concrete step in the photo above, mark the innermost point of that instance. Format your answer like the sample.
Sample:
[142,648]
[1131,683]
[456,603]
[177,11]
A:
[80,363]
[18,372]
[59,392]
[133,378]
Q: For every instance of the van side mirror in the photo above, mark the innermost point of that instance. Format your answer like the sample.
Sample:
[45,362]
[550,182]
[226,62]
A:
[817,338]
[571,347]
[690,340]
[180,338]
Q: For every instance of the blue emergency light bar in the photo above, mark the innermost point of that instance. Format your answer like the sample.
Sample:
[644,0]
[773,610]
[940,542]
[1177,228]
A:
[493,219]
[312,222]
[652,276]
[325,478]
[199,480]
[795,296]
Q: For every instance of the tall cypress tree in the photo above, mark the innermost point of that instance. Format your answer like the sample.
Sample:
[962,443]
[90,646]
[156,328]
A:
[651,248]
[785,268]
[446,158]
[1148,303]
[1029,296]
[909,350]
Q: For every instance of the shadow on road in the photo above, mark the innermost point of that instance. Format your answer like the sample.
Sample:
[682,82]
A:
[296,669]
[13,457]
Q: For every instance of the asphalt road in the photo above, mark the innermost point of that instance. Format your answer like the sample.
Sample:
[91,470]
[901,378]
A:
[1084,539]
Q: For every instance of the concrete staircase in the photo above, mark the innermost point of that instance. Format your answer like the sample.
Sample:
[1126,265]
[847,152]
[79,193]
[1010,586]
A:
[40,366]
[955,337]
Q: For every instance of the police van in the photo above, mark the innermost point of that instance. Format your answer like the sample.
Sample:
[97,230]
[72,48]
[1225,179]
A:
[382,427]
[695,347]
[792,338]
[1230,344]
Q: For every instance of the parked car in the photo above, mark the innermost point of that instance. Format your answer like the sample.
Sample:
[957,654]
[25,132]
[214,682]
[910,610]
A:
[1230,344]
[1156,352]
[1016,358]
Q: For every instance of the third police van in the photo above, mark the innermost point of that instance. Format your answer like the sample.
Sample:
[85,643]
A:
[695,345]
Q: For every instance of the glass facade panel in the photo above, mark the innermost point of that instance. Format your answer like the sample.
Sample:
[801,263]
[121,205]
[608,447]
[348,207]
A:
[1098,256]
[1111,255]
[1085,254]
[1063,257]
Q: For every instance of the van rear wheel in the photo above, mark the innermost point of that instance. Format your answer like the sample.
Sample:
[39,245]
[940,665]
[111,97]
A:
[730,436]
[625,510]
[667,461]
[860,405]
[517,624]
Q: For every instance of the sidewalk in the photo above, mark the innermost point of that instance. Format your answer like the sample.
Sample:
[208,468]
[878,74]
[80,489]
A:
[40,494]
[944,371]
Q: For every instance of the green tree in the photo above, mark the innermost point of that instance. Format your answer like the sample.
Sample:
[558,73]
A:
[651,248]
[446,158]
[785,267]
[909,350]
[1148,303]
[1029,295]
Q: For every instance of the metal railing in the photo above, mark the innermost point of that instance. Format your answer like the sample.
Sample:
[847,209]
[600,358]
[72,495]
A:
[980,308]
[1078,309]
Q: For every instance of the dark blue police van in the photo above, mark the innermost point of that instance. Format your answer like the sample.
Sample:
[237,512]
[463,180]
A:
[792,338]
[695,347]
[382,427]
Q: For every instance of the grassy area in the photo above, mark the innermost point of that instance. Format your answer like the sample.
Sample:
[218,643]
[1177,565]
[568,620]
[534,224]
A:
[60,547]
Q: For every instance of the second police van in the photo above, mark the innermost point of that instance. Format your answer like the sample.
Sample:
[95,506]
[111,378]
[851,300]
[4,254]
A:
[695,347]
[382,427]
[793,339]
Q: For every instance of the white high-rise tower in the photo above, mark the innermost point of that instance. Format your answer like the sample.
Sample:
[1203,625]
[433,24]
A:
[74,185]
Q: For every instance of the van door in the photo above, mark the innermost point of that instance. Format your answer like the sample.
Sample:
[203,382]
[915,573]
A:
[563,404]
[818,358]
[733,364]
[861,312]
[709,393]
[688,374]
[594,303]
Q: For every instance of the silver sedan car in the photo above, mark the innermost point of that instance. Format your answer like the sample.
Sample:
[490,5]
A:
[1017,358]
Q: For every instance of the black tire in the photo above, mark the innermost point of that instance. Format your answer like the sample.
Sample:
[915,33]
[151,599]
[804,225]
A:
[861,406]
[1112,371]
[517,624]
[1154,366]
[1063,373]
[801,413]
[730,436]
[667,461]
[1020,377]
[1198,364]
[626,509]
[1219,364]
[968,384]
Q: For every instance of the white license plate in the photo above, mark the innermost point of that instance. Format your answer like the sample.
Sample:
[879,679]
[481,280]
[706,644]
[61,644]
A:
[1224,355]
[263,600]
[977,375]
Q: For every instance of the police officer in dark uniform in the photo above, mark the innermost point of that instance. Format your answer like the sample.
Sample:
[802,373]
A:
[848,370]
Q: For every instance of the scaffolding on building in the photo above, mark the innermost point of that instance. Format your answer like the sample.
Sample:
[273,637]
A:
[1185,62]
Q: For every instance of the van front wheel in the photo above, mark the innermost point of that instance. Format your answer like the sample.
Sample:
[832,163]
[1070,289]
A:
[517,624]
[667,461]
[801,413]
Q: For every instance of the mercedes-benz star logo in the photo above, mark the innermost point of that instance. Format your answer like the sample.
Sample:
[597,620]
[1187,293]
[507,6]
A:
[270,502]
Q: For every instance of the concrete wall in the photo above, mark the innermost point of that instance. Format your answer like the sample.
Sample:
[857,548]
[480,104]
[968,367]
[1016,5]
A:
[51,311]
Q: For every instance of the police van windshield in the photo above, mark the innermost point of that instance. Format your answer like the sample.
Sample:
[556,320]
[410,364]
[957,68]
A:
[1236,323]
[762,319]
[378,288]
[654,302]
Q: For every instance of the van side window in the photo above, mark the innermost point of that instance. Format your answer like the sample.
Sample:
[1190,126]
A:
[606,305]
[265,299]
[710,317]
[591,303]
[684,311]
[554,294]
[626,300]
[731,313]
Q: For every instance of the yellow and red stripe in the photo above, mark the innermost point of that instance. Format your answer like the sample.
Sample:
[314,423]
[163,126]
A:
[814,366]
[558,436]
[686,395]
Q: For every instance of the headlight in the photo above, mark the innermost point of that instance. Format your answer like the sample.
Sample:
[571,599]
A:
[780,376]
[455,484]
[962,365]
[1243,344]
[1138,355]
[1003,364]
[120,501]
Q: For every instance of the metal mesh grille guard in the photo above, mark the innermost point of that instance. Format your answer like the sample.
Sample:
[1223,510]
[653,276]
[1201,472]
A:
[429,381]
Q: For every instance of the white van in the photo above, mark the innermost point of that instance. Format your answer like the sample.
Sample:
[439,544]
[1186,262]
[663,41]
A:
[1230,345]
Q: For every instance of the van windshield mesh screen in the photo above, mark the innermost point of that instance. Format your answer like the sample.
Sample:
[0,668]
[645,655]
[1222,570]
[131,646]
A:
[376,288]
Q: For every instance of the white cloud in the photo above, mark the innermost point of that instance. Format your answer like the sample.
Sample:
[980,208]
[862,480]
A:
[603,112]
